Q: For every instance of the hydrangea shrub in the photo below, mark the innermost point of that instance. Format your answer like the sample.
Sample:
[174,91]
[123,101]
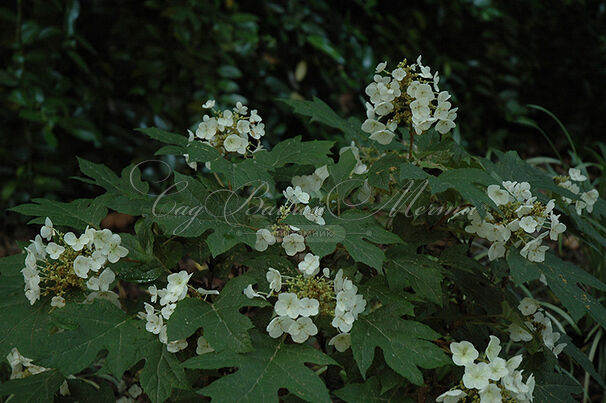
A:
[374,270]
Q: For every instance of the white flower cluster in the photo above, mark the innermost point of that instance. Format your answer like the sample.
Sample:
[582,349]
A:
[229,130]
[492,379]
[520,222]
[70,259]
[587,199]
[536,321]
[294,310]
[175,291]
[349,303]
[410,95]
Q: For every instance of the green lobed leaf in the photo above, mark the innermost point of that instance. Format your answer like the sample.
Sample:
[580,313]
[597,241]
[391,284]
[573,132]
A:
[295,151]
[164,136]
[39,388]
[405,267]
[355,230]
[141,265]
[262,372]
[406,344]
[24,325]
[94,328]
[319,111]
[162,371]
[556,388]
[463,180]
[564,279]
[224,326]
[75,214]
[369,391]
[193,209]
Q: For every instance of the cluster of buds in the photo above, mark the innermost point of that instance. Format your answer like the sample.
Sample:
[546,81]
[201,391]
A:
[519,222]
[69,262]
[308,295]
[228,131]
[537,322]
[409,96]
[491,378]
[573,182]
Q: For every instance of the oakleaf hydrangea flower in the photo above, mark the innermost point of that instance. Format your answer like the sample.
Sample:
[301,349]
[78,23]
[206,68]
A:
[229,131]
[70,262]
[304,297]
[573,182]
[488,377]
[536,321]
[176,290]
[293,244]
[408,96]
[522,222]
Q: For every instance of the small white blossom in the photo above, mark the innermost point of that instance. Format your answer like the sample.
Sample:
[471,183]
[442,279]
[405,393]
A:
[264,238]
[490,394]
[154,323]
[302,329]
[58,301]
[82,265]
[310,266]
[209,104]
[274,278]
[288,304]
[47,231]
[343,320]
[293,244]
[528,306]
[235,143]
[382,136]
[452,396]
[76,243]
[308,307]
[203,346]
[341,342]
[176,346]
[518,333]
[240,108]
[296,195]
[279,325]
[314,215]
[463,353]
[476,376]
[250,293]
[54,250]
[380,67]
[576,175]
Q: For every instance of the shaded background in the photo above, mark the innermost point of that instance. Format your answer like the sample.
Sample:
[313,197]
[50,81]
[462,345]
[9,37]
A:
[77,77]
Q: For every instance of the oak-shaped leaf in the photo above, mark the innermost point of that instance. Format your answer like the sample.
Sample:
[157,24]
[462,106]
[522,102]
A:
[89,330]
[39,388]
[272,365]
[406,344]
[224,326]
